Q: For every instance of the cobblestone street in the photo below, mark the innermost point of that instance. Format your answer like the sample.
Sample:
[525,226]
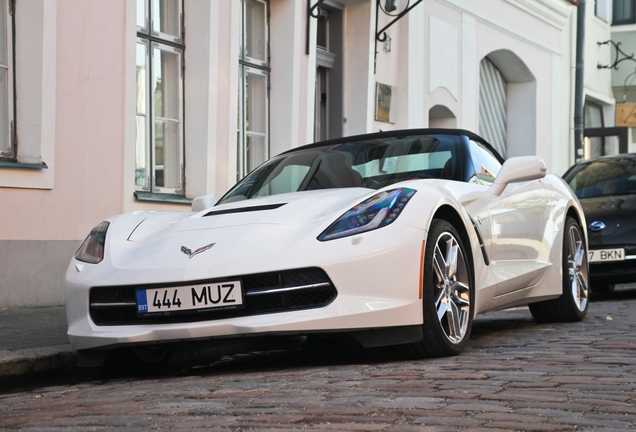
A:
[514,375]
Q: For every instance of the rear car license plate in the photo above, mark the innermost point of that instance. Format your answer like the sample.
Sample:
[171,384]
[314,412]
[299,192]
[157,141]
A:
[218,295]
[605,255]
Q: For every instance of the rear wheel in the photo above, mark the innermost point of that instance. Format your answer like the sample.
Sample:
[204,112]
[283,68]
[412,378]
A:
[572,304]
[448,294]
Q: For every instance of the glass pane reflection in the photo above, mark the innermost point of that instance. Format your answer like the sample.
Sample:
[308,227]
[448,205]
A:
[142,14]
[255,30]
[166,83]
[4,110]
[165,17]
[167,160]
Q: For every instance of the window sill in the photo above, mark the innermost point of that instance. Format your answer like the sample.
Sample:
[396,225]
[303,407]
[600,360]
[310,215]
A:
[624,22]
[9,164]
[162,198]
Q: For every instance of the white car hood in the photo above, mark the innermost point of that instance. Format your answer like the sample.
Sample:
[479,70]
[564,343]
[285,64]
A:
[300,208]
[157,242]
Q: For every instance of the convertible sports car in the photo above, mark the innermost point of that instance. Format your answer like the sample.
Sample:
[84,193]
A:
[606,187]
[398,238]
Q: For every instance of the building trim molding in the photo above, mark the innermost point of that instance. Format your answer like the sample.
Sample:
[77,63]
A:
[547,11]
[503,27]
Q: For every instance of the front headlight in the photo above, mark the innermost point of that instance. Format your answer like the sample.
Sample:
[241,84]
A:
[376,212]
[92,250]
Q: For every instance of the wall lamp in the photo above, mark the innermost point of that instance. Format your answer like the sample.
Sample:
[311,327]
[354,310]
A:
[314,11]
[389,7]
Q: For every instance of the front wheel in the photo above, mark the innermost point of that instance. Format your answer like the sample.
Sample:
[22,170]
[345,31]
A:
[448,294]
[572,305]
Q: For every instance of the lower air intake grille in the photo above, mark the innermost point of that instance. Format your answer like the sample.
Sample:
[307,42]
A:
[262,293]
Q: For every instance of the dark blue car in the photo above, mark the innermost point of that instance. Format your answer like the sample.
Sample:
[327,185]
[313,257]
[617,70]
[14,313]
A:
[606,187]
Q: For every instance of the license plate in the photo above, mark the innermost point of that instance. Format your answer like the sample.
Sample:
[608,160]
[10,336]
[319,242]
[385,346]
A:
[605,255]
[218,295]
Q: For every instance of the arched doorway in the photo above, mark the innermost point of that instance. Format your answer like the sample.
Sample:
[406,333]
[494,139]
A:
[440,116]
[507,104]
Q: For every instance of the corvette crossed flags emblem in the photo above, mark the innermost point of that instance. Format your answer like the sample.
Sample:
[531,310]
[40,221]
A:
[191,254]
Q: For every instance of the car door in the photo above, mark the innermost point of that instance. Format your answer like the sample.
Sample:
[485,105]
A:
[513,224]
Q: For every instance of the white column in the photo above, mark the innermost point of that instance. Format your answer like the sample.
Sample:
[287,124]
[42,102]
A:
[287,27]
[555,117]
[417,116]
[202,20]
[359,93]
[470,75]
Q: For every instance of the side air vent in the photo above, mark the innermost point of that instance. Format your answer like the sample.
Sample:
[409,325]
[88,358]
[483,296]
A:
[245,209]
[481,242]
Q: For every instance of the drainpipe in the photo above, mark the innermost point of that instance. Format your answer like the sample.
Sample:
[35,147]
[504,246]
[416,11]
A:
[578,82]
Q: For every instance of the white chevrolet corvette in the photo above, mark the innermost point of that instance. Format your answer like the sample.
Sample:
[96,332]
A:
[398,238]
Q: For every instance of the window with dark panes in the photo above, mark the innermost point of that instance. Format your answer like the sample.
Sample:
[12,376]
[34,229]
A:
[253,113]
[8,150]
[624,12]
[159,159]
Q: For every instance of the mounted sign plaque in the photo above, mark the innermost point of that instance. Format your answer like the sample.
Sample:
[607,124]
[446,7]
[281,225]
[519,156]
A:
[626,114]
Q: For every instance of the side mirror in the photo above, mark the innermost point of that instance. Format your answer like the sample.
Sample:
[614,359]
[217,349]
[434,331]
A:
[203,202]
[518,169]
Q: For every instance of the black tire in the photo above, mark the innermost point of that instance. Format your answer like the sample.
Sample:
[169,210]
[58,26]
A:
[448,294]
[572,305]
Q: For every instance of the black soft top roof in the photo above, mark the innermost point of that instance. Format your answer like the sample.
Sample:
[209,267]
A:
[389,134]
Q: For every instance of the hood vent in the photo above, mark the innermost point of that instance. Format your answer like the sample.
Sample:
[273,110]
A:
[245,209]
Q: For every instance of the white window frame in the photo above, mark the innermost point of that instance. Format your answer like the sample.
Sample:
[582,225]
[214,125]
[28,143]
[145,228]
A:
[8,153]
[246,165]
[34,114]
[250,65]
[171,43]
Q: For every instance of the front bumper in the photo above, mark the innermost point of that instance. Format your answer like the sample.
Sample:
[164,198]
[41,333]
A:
[614,272]
[376,276]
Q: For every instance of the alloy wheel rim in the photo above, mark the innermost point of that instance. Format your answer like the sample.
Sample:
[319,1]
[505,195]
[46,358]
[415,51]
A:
[577,268]
[452,288]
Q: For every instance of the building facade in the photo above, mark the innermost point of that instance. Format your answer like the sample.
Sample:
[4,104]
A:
[127,105]
[620,136]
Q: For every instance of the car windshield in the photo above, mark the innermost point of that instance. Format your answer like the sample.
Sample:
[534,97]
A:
[604,177]
[369,164]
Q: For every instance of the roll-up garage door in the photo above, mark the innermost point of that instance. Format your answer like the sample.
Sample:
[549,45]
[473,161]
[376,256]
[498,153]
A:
[492,106]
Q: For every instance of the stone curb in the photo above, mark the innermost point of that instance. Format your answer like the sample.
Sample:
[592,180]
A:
[18,363]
